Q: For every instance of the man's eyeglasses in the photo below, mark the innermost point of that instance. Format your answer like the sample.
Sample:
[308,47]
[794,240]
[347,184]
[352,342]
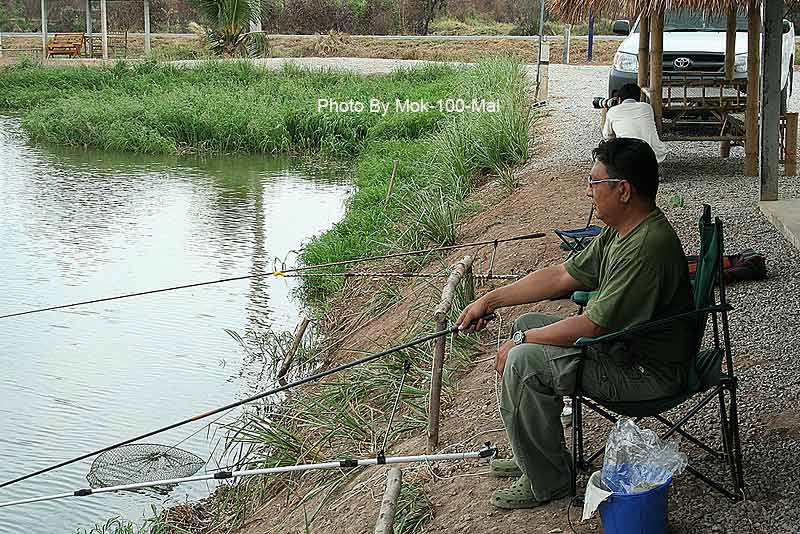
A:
[590,181]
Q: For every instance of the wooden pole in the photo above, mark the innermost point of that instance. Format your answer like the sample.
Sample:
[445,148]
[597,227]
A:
[44,29]
[644,50]
[770,112]
[385,523]
[104,28]
[88,6]
[790,151]
[730,58]
[434,407]
[656,65]
[391,184]
[440,316]
[146,27]
[751,115]
[287,361]
[567,42]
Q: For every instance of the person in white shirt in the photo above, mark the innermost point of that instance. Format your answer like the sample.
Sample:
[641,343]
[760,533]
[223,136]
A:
[632,118]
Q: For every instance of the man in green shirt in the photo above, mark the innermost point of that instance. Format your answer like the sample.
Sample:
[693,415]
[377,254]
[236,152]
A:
[638,267]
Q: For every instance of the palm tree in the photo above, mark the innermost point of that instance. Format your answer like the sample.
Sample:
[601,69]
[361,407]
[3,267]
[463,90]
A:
[228,25]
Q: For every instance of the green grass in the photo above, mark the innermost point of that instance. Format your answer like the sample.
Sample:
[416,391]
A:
[436,173]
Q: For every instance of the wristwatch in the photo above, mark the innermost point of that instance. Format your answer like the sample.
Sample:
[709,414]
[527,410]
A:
[518,337]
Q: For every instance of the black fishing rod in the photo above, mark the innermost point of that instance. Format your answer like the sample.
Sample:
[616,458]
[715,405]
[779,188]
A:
[302,381]
[274,273]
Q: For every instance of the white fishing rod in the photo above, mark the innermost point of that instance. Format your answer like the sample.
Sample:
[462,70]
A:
[487,451]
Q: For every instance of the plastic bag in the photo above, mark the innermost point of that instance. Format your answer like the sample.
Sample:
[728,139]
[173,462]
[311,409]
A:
[637,459]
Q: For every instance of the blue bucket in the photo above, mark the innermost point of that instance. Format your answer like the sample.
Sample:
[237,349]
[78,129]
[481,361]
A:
[636,513]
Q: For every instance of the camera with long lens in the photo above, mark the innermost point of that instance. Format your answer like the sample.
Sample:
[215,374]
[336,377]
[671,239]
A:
[599,102]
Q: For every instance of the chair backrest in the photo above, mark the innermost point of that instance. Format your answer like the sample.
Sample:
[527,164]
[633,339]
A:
[708,267]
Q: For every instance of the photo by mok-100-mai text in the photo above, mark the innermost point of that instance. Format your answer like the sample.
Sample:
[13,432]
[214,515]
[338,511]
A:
[375,105]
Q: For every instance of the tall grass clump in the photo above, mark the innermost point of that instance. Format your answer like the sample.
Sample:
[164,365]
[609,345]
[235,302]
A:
[436,173]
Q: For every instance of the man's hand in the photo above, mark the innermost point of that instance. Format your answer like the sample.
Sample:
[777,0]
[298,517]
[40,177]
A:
[502,355]
[471,319]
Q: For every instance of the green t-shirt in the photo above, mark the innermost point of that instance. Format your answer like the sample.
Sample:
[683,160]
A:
[640,277]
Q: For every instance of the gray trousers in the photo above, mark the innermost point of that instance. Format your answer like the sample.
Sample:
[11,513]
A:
[535,379]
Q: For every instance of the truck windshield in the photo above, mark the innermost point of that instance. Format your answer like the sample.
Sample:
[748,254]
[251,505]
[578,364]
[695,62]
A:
[691,20]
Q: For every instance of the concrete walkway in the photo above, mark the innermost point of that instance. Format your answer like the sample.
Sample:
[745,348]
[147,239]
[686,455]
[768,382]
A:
[785,216]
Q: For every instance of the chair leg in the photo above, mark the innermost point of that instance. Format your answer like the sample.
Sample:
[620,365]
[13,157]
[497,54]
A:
[736,443]
[576,422]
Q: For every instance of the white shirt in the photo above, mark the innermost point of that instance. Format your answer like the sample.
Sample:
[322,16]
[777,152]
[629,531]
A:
[634,119]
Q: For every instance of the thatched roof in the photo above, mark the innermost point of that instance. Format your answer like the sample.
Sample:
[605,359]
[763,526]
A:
[578,10]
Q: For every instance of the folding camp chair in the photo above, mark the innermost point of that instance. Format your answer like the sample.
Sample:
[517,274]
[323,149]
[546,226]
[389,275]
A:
[577,239]
[706,377]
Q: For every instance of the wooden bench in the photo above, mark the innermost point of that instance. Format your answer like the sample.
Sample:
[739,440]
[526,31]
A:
[65,44]
[117,45]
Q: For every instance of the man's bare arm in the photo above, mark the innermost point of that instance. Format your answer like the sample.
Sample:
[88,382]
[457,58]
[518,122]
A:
[564,332]
[548,283]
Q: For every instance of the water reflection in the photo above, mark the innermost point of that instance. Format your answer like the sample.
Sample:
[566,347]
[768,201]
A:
[79,224]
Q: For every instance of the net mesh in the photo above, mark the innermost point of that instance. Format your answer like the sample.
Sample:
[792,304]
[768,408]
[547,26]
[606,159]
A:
[136,463]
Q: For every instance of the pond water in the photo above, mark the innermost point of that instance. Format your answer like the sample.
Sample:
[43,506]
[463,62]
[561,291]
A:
[81,224]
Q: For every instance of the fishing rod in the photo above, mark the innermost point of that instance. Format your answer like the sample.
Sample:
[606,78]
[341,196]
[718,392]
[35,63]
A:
[274,273]
[274,391]
[403,274]
[487,451]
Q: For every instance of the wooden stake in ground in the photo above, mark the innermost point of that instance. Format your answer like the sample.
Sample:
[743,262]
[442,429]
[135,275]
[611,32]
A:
[287,362]
[790,148]
[544,66]
[394,480]
[440,316]
[644,51]
[391,184]
[730,57]
[656,65]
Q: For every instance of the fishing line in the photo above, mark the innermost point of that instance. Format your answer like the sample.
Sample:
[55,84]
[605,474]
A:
[406,369]
[487,451]
[273,273]
[274,391]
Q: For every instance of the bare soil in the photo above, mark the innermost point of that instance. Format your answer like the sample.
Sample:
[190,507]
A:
[343,45]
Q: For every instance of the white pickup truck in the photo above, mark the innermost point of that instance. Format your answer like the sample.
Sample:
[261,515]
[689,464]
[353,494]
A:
[694,41]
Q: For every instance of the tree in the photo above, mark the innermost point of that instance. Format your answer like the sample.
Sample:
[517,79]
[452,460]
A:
[228,24]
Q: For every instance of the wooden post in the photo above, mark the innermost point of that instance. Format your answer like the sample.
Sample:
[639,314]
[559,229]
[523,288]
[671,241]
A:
[104,28]
[656,65]
[287,361]
[44,29]
[790,150]
[769,127]
[88,6]
[469,282]
[567,42]
[543,86]
[730,58]
[440,316]
[644,50]
[753,72]
[385,523]
[146,27]
[391,184]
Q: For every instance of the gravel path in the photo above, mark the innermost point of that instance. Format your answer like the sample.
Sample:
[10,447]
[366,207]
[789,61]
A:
[764,323]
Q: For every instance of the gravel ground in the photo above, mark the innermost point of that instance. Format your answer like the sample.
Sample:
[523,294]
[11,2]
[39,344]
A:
[764,323]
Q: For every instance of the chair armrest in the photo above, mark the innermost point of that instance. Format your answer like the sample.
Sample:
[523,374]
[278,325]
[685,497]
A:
[643,327]
[581,298]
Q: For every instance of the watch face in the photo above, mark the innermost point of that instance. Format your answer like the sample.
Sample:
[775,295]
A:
[519,337]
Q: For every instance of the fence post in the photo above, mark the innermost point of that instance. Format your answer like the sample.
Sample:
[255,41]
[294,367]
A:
[440,316]
[287,362]
[385,524]
[567,42]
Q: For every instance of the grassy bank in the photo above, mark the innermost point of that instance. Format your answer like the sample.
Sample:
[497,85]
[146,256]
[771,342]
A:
[229,107]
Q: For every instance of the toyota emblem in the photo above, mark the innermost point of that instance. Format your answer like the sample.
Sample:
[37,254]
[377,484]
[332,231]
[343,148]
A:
[682,62]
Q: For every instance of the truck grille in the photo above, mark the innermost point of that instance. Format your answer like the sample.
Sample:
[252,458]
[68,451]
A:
[706,62]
